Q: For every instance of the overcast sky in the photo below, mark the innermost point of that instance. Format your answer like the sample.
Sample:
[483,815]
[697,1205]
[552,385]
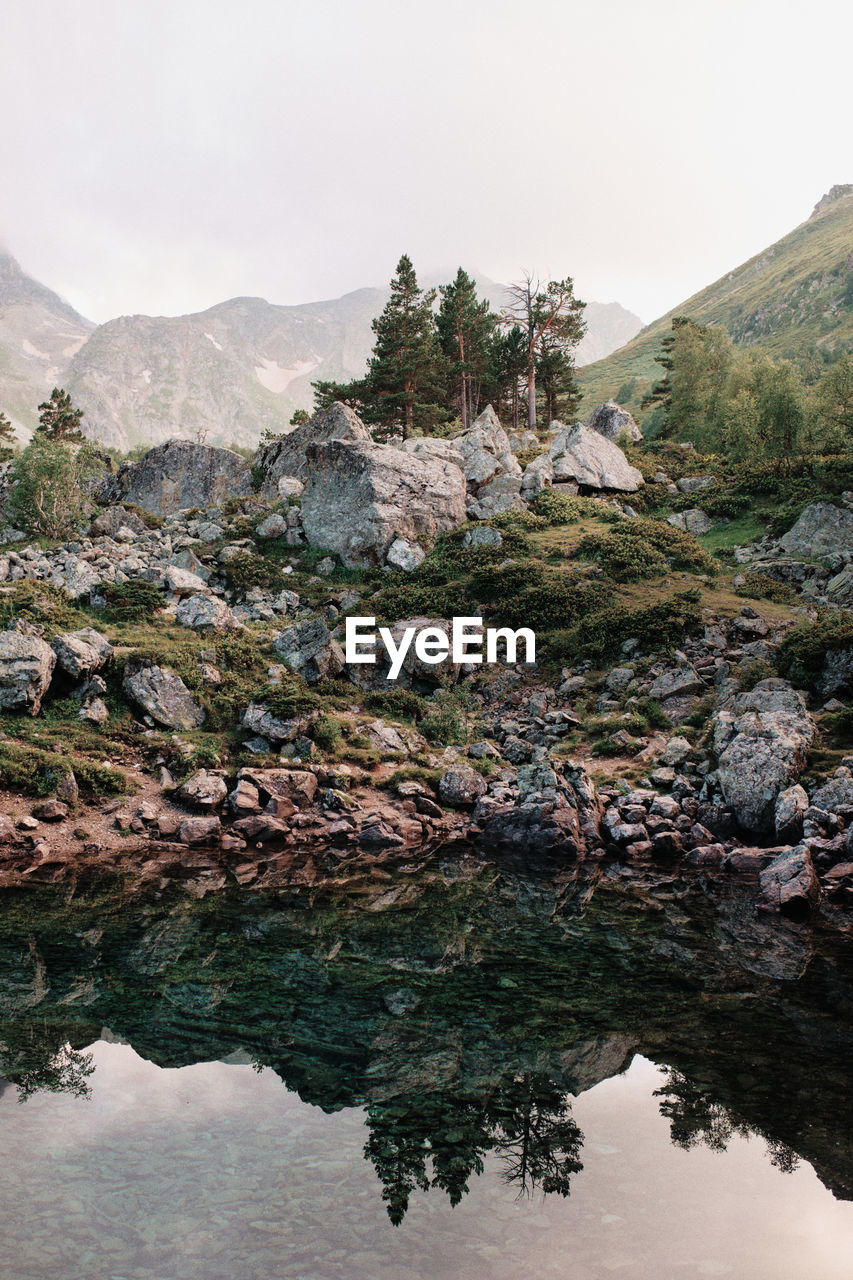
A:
[162,156]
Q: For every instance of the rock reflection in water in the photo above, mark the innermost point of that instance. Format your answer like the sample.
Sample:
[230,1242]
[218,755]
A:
[462,1008]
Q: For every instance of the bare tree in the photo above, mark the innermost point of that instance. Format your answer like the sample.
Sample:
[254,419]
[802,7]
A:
[543,311]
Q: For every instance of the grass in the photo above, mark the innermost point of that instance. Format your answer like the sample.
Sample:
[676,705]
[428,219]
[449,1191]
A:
[734,534]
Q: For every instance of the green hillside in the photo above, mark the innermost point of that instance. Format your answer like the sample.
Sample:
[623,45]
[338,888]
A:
[796,294]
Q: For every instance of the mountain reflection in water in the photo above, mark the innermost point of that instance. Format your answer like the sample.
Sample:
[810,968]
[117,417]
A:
[460,1007]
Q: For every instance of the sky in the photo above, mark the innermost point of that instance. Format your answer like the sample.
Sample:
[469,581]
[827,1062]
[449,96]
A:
[161,157]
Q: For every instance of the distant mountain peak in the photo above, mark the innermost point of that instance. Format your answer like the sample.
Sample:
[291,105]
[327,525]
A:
[841,191]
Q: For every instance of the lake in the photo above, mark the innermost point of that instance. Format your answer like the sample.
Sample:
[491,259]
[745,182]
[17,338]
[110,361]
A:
[440,1068]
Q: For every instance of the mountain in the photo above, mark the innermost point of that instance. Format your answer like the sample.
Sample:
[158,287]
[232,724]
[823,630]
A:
[231,372]
[39,335]
[243,366]
[795,294]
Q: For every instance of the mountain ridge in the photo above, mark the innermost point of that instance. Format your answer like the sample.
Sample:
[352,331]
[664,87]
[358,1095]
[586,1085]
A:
[795,293]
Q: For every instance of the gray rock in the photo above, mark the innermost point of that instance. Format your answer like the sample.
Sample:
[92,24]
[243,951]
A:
[287,456]
[677,682]
[610,420]
[308,649]
[108,522]
[275,526]
[836,793]
[360,497]
[501,493]
[790,884]
[538,475]
[691,484]
[403,554]
[762,739]
[203,791]
[694,521]
[258,719]
[26,665]
[822,529]
[178,475]
[205,613]
[181,582]
[791,805]
[676,751]
[81,653]
[582,455]
[163,696]
[482,536]
[461,785]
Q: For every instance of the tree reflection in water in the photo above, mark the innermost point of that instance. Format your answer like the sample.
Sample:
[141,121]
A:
[34,1061]
[440,1140]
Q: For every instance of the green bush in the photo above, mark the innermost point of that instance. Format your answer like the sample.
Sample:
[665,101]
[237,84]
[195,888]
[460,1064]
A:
[642,548]
[598,636]
[400,704]
[758,586]
[804,648]
[132,601]
[247,570]
[562,508]
[50,487]
[327,733]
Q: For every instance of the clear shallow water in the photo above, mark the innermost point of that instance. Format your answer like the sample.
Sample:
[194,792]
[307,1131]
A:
[216,1170]
[462,1051]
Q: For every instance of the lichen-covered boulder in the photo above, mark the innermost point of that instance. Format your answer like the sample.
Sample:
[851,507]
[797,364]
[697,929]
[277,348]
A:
[360,497]
[287,456]
[26,666]
[205,613]
[309,650]
[611,420]
[822,529]
[582,455]
[163,696]
[762,739]
[81,653]
[461,785]
[179,474]
[204,790]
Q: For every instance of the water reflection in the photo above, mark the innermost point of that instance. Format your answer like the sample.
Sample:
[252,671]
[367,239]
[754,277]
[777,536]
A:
[462,1011]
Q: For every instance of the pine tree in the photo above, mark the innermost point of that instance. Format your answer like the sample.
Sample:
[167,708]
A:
[555,378]
[8,438]
[465,327]
[508,368]
[547,314]
[403,384]
[58,419]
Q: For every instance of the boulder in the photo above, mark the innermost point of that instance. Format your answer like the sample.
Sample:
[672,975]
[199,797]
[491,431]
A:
[461,785]
[790,884]
[296,785]
[414,672]
[694,521]
[791,805]
[690,484]
[205,613]
[403,554]
[309,650]
[836,793]
[108,522]
[181,582]
[163,696]
[178,475]
[275,526]
[611,420]
[81,653]
[26,665]
[590,459]
[203,791]
[287,456]
[501,493]
[822,529]
[360,497]
[258,719]
[430,447]
[762,739]
[200,831]
[538,475]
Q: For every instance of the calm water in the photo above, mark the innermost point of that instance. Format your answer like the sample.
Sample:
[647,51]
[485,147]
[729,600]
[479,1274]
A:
[448,1071]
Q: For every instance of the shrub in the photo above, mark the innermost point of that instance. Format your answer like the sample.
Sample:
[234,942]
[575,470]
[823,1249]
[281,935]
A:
[636,549]
[562,508]
[757,586]
[401,704]
[749,674]
[132,601]
[246,570]
[599,636]
[450,719]
[803,649]
[327,733]
[51,483]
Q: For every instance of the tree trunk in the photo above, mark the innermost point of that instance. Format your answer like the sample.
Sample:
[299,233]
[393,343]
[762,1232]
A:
[531,396]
